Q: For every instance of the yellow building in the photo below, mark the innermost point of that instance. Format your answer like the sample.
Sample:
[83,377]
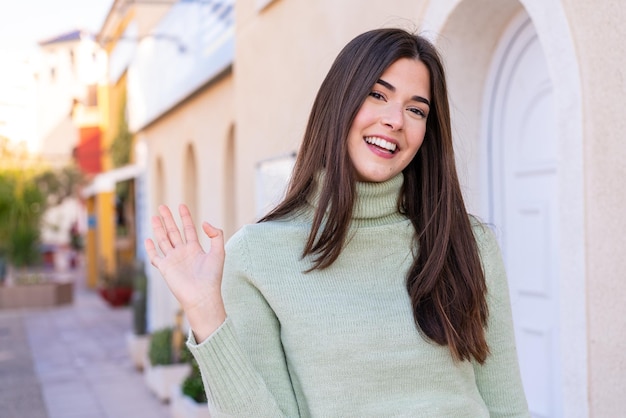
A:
[111,237]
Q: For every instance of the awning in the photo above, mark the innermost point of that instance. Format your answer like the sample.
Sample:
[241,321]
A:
[105,182]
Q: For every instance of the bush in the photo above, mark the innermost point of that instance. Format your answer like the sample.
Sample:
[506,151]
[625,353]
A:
[21,207]
[161,351]
[193,386]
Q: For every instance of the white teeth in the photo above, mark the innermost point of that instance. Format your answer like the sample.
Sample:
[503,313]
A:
[379,142]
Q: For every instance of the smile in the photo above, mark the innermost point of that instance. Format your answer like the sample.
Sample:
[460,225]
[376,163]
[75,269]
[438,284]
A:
[381,143]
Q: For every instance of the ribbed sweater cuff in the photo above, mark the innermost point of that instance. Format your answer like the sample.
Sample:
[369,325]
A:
[231,383]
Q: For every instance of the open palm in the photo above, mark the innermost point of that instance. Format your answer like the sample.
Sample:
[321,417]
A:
[193,275]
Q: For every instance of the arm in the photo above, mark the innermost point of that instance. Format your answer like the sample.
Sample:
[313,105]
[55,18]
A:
[243,364]
[498,379]
[234,386]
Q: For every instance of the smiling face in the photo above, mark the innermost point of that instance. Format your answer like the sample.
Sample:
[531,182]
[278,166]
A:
[389,127]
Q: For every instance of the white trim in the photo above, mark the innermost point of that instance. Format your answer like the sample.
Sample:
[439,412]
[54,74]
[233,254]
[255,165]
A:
[105,182]
[556,41]
[519,35]
[262,4]
[551,26]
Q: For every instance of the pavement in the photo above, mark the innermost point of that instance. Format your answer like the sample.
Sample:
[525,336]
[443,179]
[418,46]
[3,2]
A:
[71,362]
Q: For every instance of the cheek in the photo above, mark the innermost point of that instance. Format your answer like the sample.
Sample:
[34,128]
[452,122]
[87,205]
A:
[416,137]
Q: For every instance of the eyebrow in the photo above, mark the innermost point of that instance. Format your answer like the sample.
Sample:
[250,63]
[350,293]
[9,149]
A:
[392,88]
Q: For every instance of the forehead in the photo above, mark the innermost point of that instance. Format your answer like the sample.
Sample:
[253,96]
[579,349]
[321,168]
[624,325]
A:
[408,75]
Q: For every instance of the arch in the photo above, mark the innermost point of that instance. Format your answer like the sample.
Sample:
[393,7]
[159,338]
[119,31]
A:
[190,180]
[229,196]
[468,32]
[157,290]
[159,184]
[523,173]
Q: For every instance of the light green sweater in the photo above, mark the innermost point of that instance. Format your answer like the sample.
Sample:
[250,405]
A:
[342,342]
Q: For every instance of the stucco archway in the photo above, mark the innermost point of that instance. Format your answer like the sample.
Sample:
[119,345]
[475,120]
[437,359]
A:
[467,32]
[190,181]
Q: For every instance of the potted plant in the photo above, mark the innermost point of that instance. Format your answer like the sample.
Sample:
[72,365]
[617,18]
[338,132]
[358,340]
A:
[117,288]
[168,360]
[189,400]
[138,339]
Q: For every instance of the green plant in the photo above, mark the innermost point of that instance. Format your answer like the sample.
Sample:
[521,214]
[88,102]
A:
[193,385]
[161,350]
[121,145]
[122,277]
[21,208]
[140,286]
[59,184]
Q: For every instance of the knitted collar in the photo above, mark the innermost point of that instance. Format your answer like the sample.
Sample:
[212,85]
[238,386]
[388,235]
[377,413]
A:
[375,203]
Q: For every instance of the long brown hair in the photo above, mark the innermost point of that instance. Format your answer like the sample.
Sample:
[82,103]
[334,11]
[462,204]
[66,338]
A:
[446,282]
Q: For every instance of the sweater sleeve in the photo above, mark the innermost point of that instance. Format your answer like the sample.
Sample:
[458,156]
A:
[243,364]
[498,379]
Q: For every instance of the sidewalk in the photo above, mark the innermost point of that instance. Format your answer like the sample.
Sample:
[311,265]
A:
[71,361]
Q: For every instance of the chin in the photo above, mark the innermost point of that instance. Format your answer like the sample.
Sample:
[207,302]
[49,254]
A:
[374,178]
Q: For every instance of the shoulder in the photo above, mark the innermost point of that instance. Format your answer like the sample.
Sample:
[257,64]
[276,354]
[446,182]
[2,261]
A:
[257,252]
[267,232]
[267,241]
[484,235]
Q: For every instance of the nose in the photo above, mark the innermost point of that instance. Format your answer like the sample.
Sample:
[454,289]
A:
[393,117]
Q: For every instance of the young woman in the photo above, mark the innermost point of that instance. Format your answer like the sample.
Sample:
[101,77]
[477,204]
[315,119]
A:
[369,291]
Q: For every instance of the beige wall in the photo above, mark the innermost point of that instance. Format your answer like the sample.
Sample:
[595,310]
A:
[599,36]
[283,52]
[203,123]
[291,44]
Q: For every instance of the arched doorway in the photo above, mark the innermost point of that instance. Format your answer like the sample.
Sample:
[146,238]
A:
[523,182]
[470,57]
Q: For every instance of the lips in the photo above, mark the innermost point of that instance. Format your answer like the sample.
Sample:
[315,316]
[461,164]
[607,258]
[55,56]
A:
[381,143]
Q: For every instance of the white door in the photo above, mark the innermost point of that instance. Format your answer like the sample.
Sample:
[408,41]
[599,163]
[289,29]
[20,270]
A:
[523,175]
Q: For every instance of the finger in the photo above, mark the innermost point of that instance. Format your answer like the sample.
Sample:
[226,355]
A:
[217,237]
[160,234]
[189,229]
[173,233]
[151,250]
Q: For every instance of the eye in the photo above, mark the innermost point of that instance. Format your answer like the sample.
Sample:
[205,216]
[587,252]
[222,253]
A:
[417,111]
[377,95]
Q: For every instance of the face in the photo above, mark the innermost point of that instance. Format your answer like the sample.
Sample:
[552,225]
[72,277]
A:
[389,128]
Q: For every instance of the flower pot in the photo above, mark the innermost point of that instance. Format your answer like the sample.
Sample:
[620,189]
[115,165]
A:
[138,349]
[39,295]
[161,378]
[182,406]
[116,296]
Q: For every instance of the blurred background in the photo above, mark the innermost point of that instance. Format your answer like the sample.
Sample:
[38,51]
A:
[109,108]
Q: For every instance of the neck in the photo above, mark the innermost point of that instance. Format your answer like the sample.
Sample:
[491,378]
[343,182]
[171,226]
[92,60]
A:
[377,203]
[374,203]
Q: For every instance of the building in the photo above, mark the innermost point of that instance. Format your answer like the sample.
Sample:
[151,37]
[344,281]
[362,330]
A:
[536,95]
[111,239]
[180,98]
[69,69]
[49,113]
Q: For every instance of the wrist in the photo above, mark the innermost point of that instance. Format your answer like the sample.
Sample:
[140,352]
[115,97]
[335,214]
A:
[205,320]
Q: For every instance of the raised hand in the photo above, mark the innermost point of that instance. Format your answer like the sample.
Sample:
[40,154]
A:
[193,275]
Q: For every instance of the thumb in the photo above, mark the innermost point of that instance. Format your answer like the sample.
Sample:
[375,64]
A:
[216,235]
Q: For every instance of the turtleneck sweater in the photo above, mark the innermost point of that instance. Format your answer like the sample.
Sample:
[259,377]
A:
[342,341]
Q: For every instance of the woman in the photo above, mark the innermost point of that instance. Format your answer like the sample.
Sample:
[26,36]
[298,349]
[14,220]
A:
[368,291]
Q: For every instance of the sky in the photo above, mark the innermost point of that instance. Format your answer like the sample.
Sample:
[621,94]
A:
[25,22]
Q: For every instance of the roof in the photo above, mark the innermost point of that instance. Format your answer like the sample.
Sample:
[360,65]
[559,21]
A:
[74,35]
